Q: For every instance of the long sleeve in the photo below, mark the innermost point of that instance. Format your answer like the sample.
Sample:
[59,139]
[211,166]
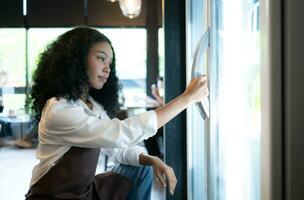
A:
[129,156]
[68,124]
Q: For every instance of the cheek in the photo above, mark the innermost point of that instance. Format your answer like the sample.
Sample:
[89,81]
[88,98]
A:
[91,74]
[92,69]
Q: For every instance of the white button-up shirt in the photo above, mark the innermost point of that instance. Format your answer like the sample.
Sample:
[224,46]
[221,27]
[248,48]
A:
[65,124]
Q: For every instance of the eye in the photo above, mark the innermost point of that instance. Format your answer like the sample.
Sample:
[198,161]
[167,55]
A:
[101,58]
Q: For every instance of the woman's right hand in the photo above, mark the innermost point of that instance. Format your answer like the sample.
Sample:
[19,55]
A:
[195,92]
[197,89]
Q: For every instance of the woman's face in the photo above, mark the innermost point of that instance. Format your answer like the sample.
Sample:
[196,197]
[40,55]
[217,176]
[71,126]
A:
[99,60]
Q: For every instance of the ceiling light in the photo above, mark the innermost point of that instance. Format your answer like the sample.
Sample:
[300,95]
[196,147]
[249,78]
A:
[130,8]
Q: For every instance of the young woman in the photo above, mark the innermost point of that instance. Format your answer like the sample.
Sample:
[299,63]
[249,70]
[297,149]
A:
[75,98]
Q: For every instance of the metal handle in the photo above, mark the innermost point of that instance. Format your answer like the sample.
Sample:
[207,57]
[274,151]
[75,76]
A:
[202,47]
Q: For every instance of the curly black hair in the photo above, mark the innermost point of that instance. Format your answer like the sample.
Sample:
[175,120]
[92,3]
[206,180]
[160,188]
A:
[62,72]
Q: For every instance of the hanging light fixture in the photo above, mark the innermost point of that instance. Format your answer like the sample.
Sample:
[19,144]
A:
[112,1]
[130,8]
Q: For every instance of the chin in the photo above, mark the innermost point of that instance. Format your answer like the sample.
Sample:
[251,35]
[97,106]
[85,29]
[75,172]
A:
[99,87]
[97,84]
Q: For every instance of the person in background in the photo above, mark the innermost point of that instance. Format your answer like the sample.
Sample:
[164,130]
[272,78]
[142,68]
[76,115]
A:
[157,91]
[74,99]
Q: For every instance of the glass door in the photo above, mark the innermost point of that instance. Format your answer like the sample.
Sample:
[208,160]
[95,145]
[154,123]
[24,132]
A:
[223,40]
[238,126]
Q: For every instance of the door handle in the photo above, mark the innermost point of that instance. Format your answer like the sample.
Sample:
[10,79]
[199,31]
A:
[199,60]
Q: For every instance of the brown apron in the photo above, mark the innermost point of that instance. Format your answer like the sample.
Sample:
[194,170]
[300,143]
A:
[73,177]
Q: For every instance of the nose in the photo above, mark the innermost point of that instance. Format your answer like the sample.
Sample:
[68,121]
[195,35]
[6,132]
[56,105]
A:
[107,69]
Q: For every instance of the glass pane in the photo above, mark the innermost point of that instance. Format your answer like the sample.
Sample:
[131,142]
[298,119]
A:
[131,62]
[12,56]
[238,126]
[196,135]
[12,67]
[38,39]
[161,51]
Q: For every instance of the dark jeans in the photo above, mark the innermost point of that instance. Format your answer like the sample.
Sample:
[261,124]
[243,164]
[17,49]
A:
[141,178]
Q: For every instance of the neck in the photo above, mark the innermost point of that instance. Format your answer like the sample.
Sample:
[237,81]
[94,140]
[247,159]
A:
[84,95]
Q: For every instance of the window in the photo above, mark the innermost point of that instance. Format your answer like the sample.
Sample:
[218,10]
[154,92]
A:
[38,39]
[131,62]
[12,67]
[13,61]
[161,51]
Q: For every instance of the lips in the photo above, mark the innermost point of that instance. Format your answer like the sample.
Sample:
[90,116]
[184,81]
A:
[103,79]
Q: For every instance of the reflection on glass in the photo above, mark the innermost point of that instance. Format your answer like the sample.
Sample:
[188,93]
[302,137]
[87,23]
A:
[238,175]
